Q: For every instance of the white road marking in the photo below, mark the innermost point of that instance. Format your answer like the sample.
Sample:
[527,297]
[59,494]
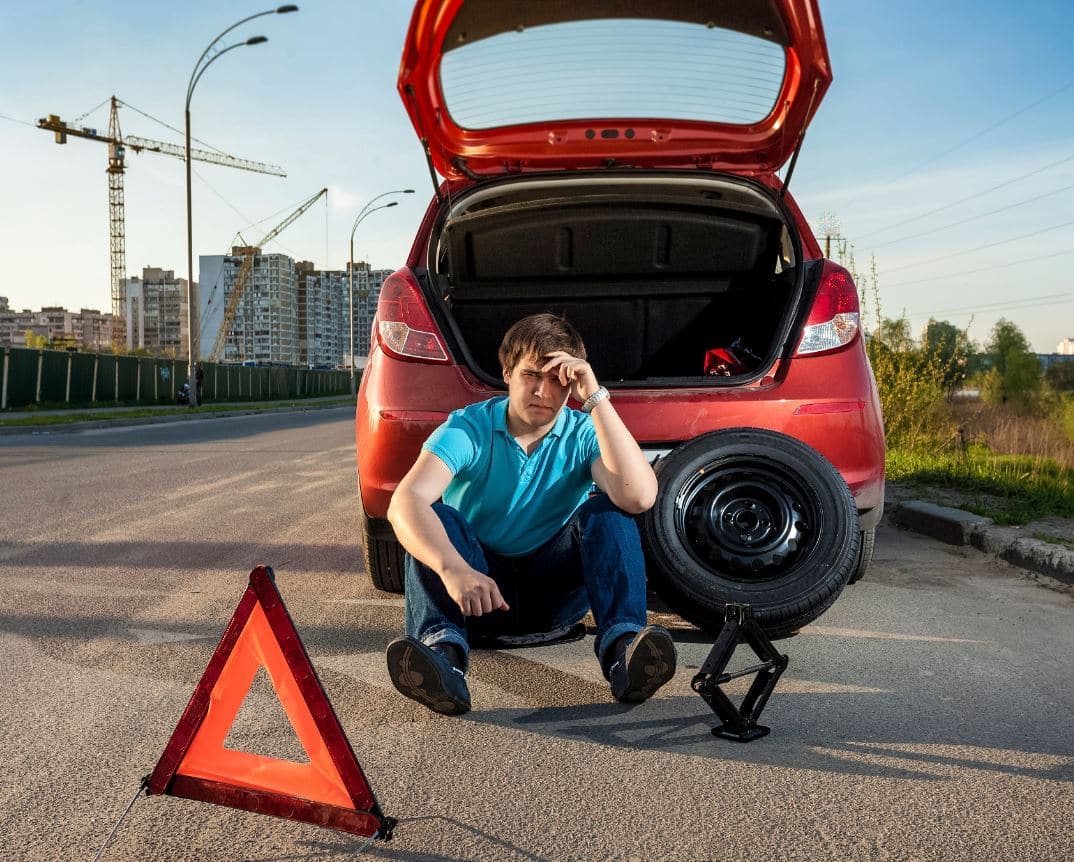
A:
[832,631]
[78,588]
[148,637]
[576,659]
[380,603]
[371,669]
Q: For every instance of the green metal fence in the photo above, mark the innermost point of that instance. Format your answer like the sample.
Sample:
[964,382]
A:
[57,378]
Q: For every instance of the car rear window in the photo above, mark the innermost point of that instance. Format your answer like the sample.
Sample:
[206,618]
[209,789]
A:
[612,69]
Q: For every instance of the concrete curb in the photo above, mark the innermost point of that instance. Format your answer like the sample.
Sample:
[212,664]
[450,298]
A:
[74,427]
[956,527]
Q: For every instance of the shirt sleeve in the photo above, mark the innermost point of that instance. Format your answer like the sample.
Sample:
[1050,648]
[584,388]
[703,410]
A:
[453,443]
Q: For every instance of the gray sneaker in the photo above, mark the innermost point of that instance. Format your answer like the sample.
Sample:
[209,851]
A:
[643,666]
[425,675]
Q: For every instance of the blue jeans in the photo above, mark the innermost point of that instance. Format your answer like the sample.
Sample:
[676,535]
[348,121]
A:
[594,562]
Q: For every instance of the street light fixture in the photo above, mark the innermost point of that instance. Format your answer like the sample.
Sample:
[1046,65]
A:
[350,311]
[193,346]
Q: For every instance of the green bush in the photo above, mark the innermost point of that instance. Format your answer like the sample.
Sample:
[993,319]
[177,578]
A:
[1064,415]
[914,379]
[912,395]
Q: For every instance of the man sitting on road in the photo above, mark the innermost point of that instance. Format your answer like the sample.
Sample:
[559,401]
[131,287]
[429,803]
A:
[518,546]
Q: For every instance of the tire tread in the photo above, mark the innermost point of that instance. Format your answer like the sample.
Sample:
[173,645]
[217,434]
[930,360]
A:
[702,602]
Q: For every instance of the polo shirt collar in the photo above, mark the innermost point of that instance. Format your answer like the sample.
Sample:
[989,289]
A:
[500,420]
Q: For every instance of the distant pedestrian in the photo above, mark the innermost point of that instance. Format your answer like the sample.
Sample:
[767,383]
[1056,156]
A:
[199,376]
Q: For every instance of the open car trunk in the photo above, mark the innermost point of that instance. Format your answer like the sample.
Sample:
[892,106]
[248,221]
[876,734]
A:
[670,280]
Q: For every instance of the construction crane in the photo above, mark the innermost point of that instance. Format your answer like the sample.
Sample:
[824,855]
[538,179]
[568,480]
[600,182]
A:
[117,147]
[248,253]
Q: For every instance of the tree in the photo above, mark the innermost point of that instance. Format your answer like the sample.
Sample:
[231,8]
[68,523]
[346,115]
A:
[895,335]
[1005,338]
[34,340]
[1015,377]
[949,347]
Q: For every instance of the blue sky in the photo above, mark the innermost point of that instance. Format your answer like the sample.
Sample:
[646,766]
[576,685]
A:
[939,147]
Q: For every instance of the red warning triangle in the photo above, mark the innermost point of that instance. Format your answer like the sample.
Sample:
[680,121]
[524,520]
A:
[330,790]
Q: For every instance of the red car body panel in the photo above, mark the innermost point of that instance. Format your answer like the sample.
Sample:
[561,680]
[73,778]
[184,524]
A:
[760,147]
[828,402]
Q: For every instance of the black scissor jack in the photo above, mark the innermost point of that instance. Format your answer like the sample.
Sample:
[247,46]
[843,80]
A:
[739,723]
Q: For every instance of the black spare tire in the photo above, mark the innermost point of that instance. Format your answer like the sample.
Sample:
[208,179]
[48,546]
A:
[754,517]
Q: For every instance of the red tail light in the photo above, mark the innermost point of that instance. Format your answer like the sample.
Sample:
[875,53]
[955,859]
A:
[405,329]
[835,319]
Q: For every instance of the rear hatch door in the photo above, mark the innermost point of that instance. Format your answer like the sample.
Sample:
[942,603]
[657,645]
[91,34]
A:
[498,86]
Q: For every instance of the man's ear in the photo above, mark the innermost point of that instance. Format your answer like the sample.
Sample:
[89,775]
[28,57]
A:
[506,376]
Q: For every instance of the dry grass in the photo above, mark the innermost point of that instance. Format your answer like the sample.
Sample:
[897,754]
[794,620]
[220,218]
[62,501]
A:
[1005,432]
[1011,467]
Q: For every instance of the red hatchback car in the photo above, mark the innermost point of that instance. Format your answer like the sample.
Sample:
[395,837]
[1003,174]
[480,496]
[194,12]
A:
[616,162]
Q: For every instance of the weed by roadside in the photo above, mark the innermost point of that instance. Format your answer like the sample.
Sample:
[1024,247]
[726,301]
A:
[1010,489]
[1007,432]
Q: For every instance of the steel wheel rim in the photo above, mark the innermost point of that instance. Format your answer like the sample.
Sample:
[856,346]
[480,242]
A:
[746,519]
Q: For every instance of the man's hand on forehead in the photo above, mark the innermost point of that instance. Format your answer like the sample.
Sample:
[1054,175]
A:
[572,370]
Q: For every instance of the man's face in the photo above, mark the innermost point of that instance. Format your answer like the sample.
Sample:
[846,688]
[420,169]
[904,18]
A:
[536,398]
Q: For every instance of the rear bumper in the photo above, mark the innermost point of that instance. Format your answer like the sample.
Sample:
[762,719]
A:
[827,402]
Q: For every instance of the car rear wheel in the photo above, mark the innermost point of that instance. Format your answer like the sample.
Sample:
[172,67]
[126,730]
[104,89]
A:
[865,555]
[754,517]
[382,554]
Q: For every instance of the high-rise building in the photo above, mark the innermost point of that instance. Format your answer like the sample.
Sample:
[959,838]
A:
[289,312]
[155,312]
[322,313]
[1066,347]
[367,284]
[264,327]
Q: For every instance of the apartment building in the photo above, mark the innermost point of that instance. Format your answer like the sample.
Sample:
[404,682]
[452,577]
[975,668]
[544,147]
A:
[322,297]
[93,330]
[87,329]
[155,312]
[265,323]
[367,284]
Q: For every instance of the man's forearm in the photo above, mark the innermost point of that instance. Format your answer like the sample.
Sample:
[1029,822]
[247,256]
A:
[632,474]
[421,532]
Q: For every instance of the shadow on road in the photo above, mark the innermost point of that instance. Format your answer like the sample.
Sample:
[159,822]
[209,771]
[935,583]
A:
[181,555]
[346,847]
[847,711]
[179,432]
[823,733]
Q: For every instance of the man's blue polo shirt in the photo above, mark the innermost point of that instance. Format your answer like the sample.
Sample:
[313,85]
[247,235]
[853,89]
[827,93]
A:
[515,502]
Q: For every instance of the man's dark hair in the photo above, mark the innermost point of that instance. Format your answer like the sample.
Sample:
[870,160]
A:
[538,335]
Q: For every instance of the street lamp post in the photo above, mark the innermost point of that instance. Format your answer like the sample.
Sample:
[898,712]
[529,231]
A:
[350,310]
[193,346]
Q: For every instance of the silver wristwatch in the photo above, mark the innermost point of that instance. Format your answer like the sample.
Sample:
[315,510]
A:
[595,399]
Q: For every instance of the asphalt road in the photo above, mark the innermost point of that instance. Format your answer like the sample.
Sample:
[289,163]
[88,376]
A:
[927,716]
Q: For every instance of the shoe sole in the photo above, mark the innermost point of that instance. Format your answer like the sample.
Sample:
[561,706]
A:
[417,676]
[650,661]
